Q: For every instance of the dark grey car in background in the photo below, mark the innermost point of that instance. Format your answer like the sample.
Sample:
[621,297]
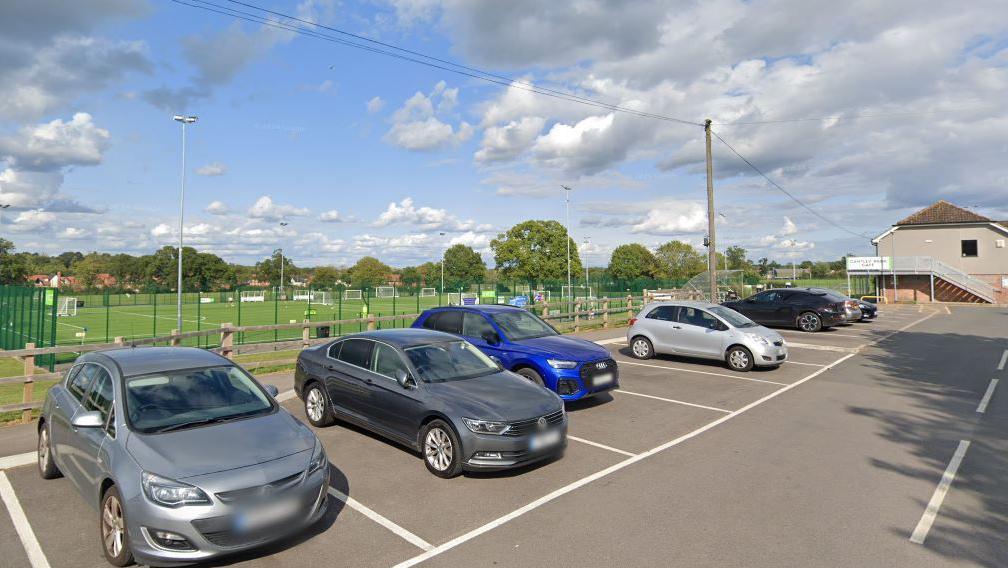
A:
[183,453]
[434,393]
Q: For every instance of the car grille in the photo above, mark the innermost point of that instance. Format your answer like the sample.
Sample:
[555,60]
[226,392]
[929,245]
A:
[221,531]
[592,369]
[523,427]
[260,491]
[781,357]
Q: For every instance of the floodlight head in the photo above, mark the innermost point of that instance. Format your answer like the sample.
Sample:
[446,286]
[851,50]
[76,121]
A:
[566,187]
[5,206]
[184,119]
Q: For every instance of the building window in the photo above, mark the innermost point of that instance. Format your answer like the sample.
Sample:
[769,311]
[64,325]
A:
[969,248]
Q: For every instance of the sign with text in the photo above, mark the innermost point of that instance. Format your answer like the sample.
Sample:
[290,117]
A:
[868,263]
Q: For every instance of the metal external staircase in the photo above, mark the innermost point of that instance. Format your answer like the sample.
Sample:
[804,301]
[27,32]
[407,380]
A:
[950,274]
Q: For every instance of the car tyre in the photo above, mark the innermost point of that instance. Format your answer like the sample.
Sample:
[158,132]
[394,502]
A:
[809,322]
[532,375]
[441,449]
[112,532]
[641,348]
[47,468]
[739,359]
[317,407]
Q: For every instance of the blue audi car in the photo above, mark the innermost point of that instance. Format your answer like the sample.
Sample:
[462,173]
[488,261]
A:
[522,342]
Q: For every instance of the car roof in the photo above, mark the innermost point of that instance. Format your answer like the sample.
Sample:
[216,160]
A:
[405,337]
[686,303]
[132,361]
[484,308]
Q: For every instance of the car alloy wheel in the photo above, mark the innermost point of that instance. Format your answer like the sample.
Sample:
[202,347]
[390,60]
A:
[739,359]
[112,529]
[641,348]
[438,449]
[315,405]
[810,322]
[47,469]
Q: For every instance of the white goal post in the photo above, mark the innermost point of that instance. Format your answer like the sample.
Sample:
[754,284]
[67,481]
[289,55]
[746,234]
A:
[352,295]
[428,292]
[253,296]
[386,292]
[67,307]
[579,292]
[313,296]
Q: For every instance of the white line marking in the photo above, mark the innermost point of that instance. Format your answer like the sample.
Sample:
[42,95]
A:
[598,445]
[790,362]
[824,334]
[816,347]
[369,513]
[623,362]
[948,311]
[611,340]
[714,408]
[605,472]
[31,545]
[987,396]
[1004,359]
[285,396]
[924,525]
[17,460]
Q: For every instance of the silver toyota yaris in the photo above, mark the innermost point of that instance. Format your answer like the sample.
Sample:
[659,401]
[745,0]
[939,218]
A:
[704,330]
[184,455]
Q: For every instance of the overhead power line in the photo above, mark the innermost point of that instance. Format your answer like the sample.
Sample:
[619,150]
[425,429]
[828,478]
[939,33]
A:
[297,25]
[786,192]
[838,117]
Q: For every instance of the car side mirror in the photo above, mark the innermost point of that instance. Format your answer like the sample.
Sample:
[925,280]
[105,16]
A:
[403,378]
[91,419]
[491,337]
[272,390]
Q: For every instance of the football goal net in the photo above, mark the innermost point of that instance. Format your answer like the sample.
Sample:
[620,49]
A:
[428,292]
[352,295]
[67,307]
[253,295]
[386,292]
[313,296]
[579,292]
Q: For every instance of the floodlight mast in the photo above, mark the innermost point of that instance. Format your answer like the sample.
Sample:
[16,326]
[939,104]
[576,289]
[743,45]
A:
[183,120]
[570,301]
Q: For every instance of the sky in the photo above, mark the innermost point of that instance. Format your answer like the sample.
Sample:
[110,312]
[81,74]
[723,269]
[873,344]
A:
[864,111]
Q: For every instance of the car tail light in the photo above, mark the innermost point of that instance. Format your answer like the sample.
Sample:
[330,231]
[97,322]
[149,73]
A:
[631,321]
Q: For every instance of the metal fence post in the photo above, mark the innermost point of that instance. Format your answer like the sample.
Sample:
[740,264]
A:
[28,392]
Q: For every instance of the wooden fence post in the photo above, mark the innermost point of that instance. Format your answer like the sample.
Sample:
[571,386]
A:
[577,317]
[227,341]
[371,322]
[305,335]
[29,384]
[175,339]
[545,309]
[119,340]
[629,304]
[605,314]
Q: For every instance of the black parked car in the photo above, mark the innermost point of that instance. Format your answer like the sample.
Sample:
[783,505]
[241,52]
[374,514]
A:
[869,311]
[807,310]
[435,393]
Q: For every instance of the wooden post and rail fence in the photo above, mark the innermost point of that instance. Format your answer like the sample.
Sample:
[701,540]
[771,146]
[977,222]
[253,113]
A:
[576,320]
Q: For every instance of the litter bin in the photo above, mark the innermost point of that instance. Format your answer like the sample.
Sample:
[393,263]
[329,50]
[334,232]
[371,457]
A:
[323,332]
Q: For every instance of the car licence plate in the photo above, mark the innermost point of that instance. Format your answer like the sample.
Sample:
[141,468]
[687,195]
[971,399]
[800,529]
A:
[264,515]
[544,440]
[602,380]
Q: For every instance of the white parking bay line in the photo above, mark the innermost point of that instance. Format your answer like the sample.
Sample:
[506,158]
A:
[17,460]
[623,362]
[598,445]
[790,362]
[374,516]
[610,340]
[286,395]
[683,402]
[1004,359]
[31,545]
[987,396]
[824,334]
[462,539]
[817,347]
[924,525]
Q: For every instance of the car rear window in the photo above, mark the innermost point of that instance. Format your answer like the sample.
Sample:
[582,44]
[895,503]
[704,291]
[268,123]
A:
[663,313]
[356,352]
[449,322]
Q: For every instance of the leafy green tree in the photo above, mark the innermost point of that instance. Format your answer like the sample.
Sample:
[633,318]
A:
[463,266]
[632,261]
[369,272]
[535,250]
[680,260]
[13,267]
[269,269]
[325,277]
[736,256]
[87,269]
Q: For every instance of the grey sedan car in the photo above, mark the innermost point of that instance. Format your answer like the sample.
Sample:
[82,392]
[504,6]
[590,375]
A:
[185,456]
[433,393]
[704,330]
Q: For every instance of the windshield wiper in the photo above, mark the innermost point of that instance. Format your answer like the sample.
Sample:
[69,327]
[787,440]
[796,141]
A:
[193,423]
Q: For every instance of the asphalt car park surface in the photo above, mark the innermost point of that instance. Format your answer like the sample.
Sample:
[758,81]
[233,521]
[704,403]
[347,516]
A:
[830,459]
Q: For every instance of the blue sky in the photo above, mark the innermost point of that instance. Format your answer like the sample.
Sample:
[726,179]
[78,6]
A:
[363,154]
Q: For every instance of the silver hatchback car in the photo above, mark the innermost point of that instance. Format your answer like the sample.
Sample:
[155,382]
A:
[185,456]
[704,330]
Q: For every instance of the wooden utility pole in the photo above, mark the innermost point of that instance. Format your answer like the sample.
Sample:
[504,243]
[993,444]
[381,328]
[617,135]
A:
[711,249]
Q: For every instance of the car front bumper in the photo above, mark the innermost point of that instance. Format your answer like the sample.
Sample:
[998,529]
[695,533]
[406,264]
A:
[830,319]
[488,452]
[584,381]
[768,355]
[211,530]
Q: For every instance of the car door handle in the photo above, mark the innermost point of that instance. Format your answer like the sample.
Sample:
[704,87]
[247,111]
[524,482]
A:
[368,381]
[330,367]
[676,327]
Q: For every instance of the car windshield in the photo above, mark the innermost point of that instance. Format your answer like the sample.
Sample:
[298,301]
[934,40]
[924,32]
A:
[733,318]
[519,324]
[449,361]
[187,398]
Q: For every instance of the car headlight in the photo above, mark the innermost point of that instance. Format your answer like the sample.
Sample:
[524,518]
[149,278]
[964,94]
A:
[318,459]
[561,364]
[486,426]
[170,493]
[758,338]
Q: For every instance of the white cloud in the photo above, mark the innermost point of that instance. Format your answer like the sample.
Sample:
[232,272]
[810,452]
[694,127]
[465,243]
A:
[673,218]
[428,218]
[477,241]
[74,233]
[56,144]
[331,216]
[210,170]
[501,143]
[375,105]
[218,208]
[416,126]
[265,208]
[789,227]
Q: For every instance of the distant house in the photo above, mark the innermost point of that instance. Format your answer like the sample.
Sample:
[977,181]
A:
[256,283]
[105,280]
[38,280]
[394,280]
[947,253]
